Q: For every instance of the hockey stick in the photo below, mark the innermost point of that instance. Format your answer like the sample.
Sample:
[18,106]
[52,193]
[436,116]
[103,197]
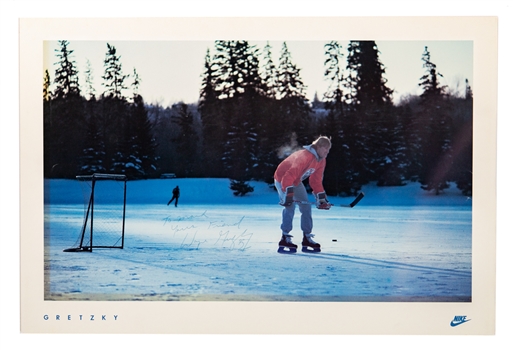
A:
[355,201]
[350,205]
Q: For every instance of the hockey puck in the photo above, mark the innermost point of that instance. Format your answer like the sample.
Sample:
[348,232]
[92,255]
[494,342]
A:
[333,240]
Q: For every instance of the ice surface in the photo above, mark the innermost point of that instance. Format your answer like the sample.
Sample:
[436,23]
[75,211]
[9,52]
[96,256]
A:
[397,244]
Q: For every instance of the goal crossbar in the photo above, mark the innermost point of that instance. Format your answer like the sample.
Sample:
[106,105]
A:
[99,176]
[92,227]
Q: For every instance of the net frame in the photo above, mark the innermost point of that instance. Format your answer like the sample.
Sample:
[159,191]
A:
[89,215]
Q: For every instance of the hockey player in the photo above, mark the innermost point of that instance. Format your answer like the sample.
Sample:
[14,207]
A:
[288,179]
[176,195]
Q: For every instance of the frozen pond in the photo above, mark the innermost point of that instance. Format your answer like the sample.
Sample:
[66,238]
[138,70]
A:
[226,250]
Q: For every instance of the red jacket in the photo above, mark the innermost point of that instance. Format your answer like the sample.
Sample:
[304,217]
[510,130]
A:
[299,166]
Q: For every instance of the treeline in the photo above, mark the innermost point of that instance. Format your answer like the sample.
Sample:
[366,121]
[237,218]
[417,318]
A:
[253,112]
[84,135]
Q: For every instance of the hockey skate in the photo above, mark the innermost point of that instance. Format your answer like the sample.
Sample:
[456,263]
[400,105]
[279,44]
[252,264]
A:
[309,245]
[286,246]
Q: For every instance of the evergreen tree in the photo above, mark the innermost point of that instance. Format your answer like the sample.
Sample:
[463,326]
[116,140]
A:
[408,111]
[240,157]
[370,111]
[241,83]
[48,128]
[213,123]
[367,80]
[469,95]
[392,161]
[186,143]
[239,90]
[134,143]
[294,109]
[316,102]
[333,72]
[93,158]
[436,129]
[64,133]
[115,124]
[93,154]
[113,77]
[213,118]
[46,86]
[165,131]
[90,90]
[270,131]
[334,96]
[66,74]
[338,176]
[142,143]
[402,169]
[207,94]
[237,69]
[463,145]
[135,85]
[269,73]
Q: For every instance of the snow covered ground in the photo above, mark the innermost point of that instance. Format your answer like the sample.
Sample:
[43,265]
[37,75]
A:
[397,244]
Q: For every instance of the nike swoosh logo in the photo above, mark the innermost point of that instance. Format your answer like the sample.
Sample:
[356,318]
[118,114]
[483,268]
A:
[457,323]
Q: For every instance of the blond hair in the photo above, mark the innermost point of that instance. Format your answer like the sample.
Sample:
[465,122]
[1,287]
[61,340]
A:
[322,141]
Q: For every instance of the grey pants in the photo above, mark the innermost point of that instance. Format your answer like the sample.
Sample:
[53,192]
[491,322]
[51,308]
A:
[300,194]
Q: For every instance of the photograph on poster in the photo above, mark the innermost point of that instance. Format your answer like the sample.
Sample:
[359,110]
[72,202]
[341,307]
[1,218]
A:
[167,166]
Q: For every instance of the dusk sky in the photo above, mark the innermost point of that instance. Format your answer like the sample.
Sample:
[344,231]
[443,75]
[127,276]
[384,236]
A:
[170,71]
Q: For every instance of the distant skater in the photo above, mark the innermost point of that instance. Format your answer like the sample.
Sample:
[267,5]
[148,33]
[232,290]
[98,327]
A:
[176,195]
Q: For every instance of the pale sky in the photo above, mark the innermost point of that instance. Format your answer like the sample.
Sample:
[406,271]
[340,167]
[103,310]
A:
[170,71]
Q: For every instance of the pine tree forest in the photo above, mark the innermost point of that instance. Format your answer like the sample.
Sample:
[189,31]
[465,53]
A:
[251,113]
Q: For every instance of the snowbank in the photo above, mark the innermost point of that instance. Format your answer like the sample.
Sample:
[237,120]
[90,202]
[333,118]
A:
[217,191]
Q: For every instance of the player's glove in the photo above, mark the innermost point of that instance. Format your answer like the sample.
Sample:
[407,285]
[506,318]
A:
[322,201]
[289,197]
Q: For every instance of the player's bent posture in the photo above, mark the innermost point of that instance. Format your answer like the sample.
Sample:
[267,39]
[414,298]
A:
[288,179]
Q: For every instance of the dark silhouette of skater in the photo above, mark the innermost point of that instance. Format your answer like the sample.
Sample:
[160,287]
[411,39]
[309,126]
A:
[176,195]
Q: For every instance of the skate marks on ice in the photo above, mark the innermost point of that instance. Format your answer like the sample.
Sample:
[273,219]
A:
[129,274]
[387,264]
[440,279]
[357,278]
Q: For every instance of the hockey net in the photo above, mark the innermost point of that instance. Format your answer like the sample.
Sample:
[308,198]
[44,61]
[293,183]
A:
[104,212]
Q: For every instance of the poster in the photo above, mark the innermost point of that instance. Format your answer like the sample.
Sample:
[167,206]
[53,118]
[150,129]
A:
[43,313]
